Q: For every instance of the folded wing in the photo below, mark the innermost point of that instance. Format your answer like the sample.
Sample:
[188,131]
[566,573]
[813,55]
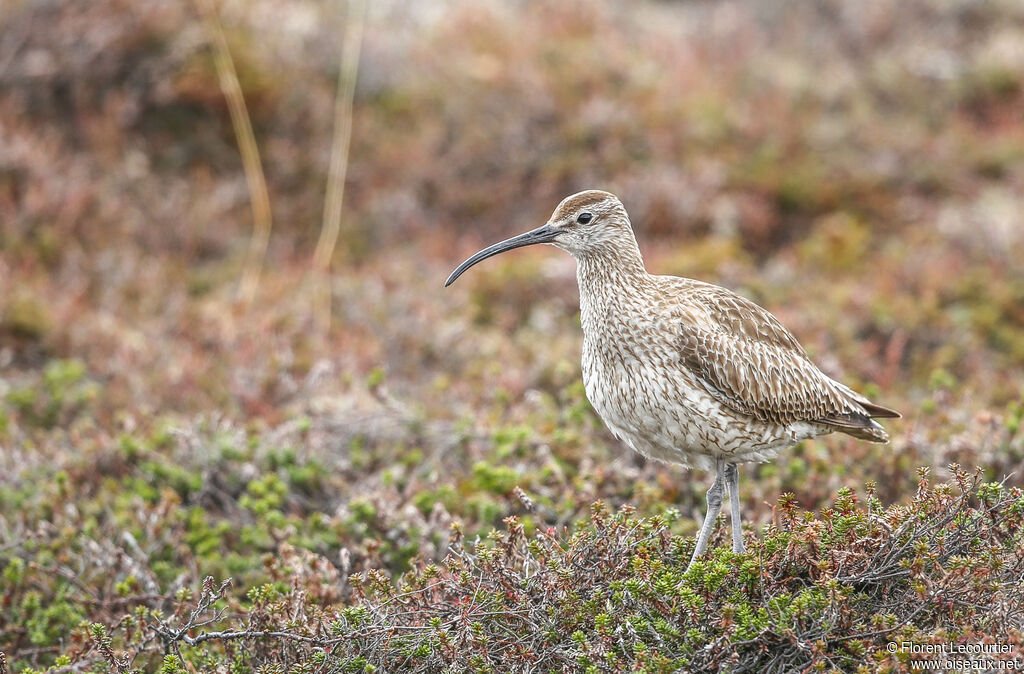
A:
[750,363]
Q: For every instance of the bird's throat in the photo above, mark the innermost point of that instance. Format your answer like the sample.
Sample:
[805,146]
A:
[622,268]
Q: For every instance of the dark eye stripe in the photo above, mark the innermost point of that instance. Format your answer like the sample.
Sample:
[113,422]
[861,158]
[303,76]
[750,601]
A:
[584,218]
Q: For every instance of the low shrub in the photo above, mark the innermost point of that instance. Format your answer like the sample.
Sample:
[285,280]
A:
[826,592]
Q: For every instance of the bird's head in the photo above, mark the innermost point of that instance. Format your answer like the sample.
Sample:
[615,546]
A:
[583,224]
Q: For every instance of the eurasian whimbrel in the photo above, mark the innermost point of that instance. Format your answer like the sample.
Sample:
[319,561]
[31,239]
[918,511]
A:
[685,371]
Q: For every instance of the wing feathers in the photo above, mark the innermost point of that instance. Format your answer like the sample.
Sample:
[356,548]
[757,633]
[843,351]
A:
[750,363]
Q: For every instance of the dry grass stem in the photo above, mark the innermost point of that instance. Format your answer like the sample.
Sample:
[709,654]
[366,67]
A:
[347,72]
[259,197]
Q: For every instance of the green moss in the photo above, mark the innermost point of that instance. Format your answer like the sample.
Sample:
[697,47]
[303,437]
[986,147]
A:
[63,394]
[26,316]
[838,241]
[445,495]
[49,621]
[494,479]
[512,441]
[161,474]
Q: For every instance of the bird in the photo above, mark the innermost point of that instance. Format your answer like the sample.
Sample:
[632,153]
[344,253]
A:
[684,371]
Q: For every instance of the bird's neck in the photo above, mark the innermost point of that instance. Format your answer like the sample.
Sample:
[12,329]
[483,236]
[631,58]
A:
[611,280]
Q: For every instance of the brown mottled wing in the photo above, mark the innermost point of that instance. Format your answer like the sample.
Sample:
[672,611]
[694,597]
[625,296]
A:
[750,363]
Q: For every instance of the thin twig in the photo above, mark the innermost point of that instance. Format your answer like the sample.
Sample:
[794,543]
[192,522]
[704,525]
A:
[347,71]
[254,177]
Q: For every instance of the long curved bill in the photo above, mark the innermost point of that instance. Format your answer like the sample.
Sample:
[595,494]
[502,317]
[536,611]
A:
[543,234]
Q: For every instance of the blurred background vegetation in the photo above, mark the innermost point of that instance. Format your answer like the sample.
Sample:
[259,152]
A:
[855,167]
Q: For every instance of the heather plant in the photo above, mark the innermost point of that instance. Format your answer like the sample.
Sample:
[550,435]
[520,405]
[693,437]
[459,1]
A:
[611,593]
[189,482]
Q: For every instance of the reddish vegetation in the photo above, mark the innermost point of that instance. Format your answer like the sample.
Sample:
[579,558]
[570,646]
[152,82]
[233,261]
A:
[854,168]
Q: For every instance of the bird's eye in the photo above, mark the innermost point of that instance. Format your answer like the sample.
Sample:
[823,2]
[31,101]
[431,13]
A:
[584,218]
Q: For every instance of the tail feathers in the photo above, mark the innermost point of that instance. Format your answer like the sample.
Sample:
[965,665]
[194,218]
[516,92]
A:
[858,425]
[873,432]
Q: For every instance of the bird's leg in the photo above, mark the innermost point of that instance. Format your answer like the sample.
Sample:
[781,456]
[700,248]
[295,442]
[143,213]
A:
[714,507]
[732,481]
